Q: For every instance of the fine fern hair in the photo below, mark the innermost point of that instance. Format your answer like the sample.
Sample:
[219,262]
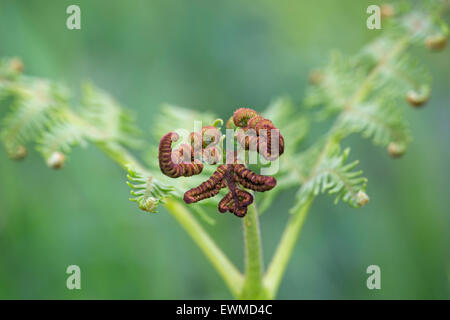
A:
[364,94]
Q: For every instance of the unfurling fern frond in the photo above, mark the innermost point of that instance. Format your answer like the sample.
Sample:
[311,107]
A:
[365,94]
[325,170]
[40,114]
[60,137]
[405,79]
[147,192]
[368,91]
[35,100]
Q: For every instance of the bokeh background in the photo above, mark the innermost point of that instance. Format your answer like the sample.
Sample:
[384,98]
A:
[213,56]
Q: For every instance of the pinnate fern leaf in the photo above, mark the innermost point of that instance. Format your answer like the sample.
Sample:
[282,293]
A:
[324,169]
[60,137]
[147,191]
[35,100]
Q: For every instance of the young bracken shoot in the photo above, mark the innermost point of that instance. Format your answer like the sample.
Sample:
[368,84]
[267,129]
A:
[254,133]
[361,94]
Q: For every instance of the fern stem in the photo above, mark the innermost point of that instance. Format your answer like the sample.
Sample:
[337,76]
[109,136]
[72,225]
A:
[253,285]
[285,249]
[232,277]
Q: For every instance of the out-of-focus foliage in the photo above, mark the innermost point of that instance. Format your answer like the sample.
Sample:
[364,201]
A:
[41,114]
[366,92]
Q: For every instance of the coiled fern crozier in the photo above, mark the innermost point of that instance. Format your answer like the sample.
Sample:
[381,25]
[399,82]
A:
[363,94]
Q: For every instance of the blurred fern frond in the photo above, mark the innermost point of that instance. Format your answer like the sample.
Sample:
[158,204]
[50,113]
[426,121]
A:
[368,89]
[35,102]
[173,118]
[365,94]
[40,114]
[61,136]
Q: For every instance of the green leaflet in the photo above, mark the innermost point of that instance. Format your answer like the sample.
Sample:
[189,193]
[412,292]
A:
[35,103]
[380,120]
[60,137]
[147,191]
[324,169]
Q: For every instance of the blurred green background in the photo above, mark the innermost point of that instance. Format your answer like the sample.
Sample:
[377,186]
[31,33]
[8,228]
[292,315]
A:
[215,56]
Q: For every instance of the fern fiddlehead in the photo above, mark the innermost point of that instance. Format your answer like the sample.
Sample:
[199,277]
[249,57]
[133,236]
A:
[257,132]
[177,168]
[227,175]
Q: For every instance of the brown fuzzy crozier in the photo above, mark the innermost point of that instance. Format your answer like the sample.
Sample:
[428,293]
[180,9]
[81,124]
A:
[182,162]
